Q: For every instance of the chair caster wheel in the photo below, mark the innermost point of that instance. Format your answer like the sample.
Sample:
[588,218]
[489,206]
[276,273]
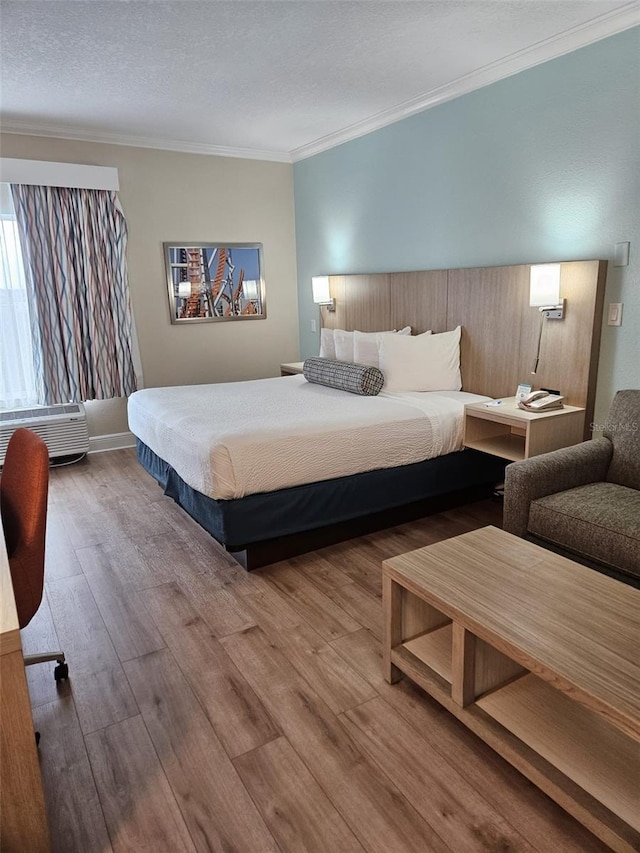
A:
[61,672]
[37,738]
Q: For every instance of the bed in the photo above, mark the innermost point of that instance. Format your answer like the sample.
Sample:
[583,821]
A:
[285,484]
[260,460]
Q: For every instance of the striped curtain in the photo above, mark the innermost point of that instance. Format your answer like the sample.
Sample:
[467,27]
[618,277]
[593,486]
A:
[74,243]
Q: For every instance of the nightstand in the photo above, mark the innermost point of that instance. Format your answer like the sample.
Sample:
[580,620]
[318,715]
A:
[511,433]
[291,368]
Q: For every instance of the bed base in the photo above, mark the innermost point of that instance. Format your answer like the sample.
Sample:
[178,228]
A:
[259,554]
[261,529]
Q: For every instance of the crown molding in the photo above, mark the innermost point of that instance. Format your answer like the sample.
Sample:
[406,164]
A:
[609,24]
[61,132]
[623,18]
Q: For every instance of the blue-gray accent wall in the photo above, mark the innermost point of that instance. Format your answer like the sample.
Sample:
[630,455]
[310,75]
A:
[541,166]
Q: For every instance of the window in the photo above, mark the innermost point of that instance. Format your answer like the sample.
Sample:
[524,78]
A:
[66,328]
[18,385]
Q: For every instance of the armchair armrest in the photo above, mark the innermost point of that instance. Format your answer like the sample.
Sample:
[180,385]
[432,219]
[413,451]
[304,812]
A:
[548,474]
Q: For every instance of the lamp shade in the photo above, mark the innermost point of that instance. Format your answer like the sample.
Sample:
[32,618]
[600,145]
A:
[320,287]
[544,285]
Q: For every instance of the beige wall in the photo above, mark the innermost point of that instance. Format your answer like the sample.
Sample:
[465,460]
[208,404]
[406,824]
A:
[171,196]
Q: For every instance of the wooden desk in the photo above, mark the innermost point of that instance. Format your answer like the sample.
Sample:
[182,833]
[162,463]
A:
[23,819]
[537,655]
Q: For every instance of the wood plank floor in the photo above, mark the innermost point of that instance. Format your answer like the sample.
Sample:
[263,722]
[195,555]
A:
[210,709]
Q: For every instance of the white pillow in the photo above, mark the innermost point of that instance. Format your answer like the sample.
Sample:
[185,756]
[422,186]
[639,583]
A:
[421,363]
[344,345]
[327,344]
[366,345]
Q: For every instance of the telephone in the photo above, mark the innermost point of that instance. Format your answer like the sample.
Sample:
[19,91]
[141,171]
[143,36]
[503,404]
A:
[541,401]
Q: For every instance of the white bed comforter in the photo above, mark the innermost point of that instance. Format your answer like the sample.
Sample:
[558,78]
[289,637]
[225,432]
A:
[239,438]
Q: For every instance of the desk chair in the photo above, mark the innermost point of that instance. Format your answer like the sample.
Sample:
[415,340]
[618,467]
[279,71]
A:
[24,486]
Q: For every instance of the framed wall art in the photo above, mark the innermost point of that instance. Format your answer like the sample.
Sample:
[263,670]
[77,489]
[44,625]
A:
[208,282]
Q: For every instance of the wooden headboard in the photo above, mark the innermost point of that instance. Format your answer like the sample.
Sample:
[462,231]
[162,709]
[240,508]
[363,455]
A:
[500,330]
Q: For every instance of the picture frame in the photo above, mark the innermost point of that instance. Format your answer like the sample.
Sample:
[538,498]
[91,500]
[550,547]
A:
[213,282]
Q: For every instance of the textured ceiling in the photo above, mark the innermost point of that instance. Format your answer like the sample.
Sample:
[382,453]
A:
[269,76]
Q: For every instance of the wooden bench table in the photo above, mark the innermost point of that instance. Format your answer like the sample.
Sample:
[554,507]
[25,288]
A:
[538,655]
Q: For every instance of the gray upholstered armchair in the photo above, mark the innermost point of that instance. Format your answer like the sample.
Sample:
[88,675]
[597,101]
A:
[584,500]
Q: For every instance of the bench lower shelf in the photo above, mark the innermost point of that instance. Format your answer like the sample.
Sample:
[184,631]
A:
[587,765]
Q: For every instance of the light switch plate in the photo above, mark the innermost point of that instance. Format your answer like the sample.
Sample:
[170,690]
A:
[621,254]
[615,314]
[314,326]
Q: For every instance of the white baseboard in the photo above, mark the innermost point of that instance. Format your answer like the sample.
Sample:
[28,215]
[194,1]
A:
[114,441]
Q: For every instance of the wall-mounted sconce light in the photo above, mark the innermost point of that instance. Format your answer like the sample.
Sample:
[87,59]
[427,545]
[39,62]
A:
[321,294]
[544,291]
[250,289]
[544,294]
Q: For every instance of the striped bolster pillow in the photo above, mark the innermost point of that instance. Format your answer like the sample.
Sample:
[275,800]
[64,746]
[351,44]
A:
[355,378]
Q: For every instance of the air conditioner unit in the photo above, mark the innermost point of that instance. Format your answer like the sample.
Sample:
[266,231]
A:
[63,428]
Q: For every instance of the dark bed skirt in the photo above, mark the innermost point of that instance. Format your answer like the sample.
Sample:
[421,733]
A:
[241,522]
